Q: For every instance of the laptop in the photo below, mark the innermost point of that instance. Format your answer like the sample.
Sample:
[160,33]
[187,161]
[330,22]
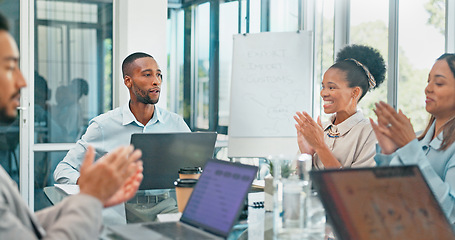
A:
[381,203]
[211,211]
[163,154]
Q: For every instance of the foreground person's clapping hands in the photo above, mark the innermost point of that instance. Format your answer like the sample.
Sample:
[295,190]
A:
[114,178]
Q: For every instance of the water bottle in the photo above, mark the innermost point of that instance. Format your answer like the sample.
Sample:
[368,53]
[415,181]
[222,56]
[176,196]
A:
[291,187]
[314,213]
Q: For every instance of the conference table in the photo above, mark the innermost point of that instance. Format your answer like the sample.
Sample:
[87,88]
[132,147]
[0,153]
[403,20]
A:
[258,225]
[261,228]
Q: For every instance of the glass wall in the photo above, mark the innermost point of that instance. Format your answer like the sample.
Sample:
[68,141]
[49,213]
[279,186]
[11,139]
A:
[284,15]
[371,28]
[421,41]
[43,170]
[228,28]
[73,75]
[255,16]
[175,36]
[324,45]
[202,49]
[73,67]
[420,32]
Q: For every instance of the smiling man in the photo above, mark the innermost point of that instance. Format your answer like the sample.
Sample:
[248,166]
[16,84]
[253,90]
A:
[142,76]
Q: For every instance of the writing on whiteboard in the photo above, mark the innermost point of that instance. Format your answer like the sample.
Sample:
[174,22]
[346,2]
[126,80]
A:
[271,80]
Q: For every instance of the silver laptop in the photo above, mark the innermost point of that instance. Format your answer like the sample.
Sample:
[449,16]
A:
[381,203]
[163,154]
[211,211]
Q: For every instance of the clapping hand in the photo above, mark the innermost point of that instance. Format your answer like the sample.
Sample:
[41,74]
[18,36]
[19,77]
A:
[114,178]
[393,130]
[309,133]
[304,146]
[129,188]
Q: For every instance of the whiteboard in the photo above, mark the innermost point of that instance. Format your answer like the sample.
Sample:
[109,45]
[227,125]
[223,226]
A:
[271,80]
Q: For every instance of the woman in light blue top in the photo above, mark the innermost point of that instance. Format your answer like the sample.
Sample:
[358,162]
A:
[434,150]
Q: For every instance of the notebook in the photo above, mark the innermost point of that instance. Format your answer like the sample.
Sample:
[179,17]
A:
[381,203]
[210,213]
[163,154]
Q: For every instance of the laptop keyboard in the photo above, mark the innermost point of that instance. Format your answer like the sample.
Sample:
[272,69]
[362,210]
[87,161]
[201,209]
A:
[176,230]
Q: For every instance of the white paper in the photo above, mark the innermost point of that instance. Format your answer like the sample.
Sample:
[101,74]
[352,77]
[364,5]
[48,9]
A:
[259,183]
[169,217]
[70,189]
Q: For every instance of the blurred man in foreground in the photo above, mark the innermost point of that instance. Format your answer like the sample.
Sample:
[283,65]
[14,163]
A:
[113,179]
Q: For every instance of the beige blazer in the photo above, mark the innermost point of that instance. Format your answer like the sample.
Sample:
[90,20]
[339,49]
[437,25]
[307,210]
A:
[355,146]
[76,217]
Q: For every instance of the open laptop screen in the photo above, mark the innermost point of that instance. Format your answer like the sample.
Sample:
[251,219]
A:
[163,154]
[381,203]
[218,197]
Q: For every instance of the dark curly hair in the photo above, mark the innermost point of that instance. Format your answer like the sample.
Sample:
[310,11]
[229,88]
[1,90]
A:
[355,75]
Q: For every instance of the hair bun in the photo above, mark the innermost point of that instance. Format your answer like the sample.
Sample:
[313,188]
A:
[368,56]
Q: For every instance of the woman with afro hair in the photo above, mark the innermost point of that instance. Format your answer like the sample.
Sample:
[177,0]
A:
[347,139]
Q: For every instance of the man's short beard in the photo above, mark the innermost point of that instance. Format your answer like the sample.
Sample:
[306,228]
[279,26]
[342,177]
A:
[146,99]
[5,118]
[142,96]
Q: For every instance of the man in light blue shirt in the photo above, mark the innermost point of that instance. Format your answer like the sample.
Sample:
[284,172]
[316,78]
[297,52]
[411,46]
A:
[142,77]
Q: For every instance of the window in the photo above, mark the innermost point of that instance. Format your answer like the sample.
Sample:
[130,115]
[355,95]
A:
[421,41]
[73,76]
[371,28]
[255,16]
[421,22]
[228,27]
[45,163]
[284,15]
[175,59]
[202,50]
[73,68]
[324,49]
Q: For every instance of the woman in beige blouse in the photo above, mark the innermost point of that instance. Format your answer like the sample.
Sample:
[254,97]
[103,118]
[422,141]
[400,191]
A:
[347,139]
